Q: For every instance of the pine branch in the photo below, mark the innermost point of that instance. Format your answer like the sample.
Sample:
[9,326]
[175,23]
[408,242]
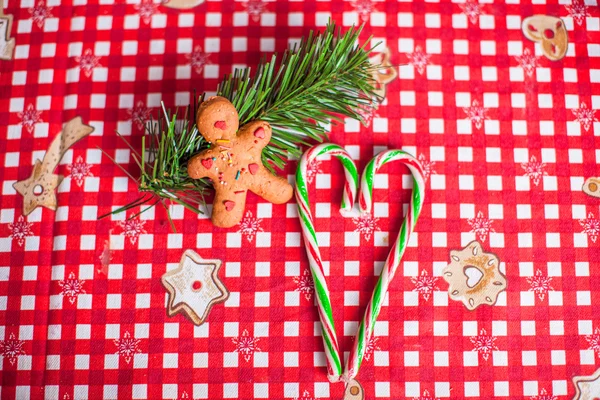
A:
[327,77]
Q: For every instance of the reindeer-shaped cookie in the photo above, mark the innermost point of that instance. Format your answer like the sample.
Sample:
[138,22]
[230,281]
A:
[233,161]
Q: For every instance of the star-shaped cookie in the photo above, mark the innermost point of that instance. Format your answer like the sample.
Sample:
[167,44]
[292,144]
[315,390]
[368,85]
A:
[587,387]
[194,287]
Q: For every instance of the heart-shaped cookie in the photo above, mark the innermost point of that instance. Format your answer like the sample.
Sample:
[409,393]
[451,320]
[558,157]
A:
[550,32]
[365,329]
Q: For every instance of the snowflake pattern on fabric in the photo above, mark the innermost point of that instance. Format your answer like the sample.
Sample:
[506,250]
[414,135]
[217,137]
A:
[539,284]
[426,396]
[366,225]
[591,226]
[140,114]
[585,116]
[11,349]
[312,170]
[246,345]
[249,226]
[132,228]
[528,61]
[472,9]
[578,10]
[418,59]
[198,59]
[20,230]
[367,112]
[476,114]
[364,8]
[306,396]
[484,344]
[127,346]
[71,287]
[594,341]
[543,396]
[29,117]
[255,8]
[481,225]
[146,9]
[79,170]
[87,62]
[428,166]
[425,284]
[370,347]
[40,12]
[534,170]
[305,284]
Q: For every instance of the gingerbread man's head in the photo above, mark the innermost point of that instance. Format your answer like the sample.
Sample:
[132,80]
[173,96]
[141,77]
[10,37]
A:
[217,119]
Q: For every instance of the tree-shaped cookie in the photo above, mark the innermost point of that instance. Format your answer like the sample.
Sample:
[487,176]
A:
[233,161]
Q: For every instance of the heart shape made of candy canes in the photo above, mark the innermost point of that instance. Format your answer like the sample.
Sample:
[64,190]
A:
[367,325]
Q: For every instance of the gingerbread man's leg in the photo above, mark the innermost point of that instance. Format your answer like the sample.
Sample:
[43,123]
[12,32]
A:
[228,208]
[274,189]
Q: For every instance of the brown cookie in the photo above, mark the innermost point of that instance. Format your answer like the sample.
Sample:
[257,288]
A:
[550,32]
[233,162]
[194,287]
[474,276]
[587,387]
[354,391]
[384,75]
[39,188]
[7,44]
[182,4]
[591,187]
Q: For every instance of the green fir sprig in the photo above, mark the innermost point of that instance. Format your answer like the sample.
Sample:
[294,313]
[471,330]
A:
[326,77]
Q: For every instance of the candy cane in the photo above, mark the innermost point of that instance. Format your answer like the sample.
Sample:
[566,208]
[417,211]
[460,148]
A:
[334,362]
[365,330]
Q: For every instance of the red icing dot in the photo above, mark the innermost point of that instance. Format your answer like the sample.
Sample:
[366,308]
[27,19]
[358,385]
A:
[259,133]
[196,285]
[229,205]
[253,168]
[256,141]
[221,125]
[549,33]
[532,28]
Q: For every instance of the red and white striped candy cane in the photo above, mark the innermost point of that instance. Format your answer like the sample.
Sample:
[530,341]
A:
[334,362]
[367,325]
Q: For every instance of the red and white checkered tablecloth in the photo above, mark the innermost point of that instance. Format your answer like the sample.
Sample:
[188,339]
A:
[507,137]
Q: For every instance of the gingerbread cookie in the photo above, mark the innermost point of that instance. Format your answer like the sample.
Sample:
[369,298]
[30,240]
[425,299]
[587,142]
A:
[384,75]
[591,187]
[587,387]
[550,32]
[233,161]
[182,4]
[354,391]
[194,287]
[39,188]
[7,44]
[474,276]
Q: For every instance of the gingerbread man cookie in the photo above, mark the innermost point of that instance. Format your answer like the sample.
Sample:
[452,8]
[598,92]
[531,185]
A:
[487,283]
[233,161]
[550,32]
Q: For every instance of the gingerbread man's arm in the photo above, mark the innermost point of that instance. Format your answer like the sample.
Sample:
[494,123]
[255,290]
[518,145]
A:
[203,165]
[255,135]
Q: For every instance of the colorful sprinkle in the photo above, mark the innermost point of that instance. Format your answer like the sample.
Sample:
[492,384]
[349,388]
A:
[237,176]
